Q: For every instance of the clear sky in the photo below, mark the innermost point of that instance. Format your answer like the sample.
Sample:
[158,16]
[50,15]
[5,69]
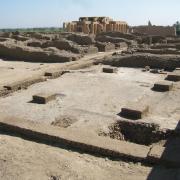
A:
[46,13]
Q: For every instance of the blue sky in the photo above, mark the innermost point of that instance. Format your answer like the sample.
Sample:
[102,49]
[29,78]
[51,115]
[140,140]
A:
[44,13]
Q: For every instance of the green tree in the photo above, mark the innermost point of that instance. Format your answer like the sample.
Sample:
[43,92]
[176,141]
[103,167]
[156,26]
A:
[177,25]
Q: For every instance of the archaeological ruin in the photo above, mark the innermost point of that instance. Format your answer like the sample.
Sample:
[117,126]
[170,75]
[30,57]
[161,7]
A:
[96,25]
[94,98]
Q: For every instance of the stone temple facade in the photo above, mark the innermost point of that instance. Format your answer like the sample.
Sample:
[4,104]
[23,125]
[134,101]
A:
[95,25]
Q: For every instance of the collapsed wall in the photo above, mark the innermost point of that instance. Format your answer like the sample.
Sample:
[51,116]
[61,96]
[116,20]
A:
[40,36]
[152,39]
[35,43]
[162,46]
[67,45]
[81,39]
[159,51]
[103,47]
[24,53]
[112,39]
[119,35]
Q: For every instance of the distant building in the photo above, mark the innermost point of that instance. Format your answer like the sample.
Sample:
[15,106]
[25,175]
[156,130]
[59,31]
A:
[95,25]
[154,30]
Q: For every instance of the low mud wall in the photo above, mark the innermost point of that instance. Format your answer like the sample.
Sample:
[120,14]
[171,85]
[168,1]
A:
[159,51]
[143,60]
[83,145]
[24,84]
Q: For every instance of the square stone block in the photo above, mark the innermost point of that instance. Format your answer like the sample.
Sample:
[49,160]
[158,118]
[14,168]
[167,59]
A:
[43,98]
[110,70]
[173,77]
[134,111]
[163,86]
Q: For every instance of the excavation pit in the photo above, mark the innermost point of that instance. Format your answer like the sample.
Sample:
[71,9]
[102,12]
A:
[138,132]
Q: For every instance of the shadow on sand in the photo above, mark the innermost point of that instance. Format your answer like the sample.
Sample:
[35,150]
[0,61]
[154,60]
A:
[170,170]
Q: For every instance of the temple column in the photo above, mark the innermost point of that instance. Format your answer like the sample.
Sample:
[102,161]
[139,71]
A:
[113,27]
[117,27]
[105,27]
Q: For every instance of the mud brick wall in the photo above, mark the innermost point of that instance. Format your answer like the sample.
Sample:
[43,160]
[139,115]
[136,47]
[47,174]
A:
[143,60]
[82,39]
[159,51]
[155,30]
[20,85]
[68,143]
[104,47]
[16,52]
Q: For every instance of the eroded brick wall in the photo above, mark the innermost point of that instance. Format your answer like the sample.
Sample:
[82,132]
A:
[155,30]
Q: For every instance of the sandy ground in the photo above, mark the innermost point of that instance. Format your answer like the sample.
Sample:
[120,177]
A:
[12,71]
[95,98]
[25,160]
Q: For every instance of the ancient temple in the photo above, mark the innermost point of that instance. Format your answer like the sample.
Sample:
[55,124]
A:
[95,25]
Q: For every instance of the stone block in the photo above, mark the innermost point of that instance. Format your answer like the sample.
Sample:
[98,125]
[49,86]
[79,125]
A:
[134,111]
[110,69]
[43,98]
[163,86]
[173,77]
